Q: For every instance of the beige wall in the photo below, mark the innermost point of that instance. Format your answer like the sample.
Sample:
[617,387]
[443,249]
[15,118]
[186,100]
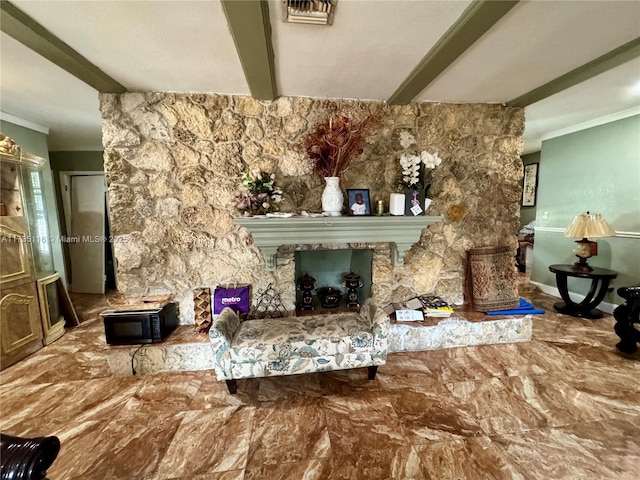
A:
[173,164]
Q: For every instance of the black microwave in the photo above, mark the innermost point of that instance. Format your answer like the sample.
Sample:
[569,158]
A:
[139,326]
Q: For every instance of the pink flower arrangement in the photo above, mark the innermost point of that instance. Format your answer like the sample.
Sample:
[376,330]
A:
[259,195]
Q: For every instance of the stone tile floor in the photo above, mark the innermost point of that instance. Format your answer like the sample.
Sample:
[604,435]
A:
[564,406]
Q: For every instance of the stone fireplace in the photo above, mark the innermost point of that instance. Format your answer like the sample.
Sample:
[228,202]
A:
[173,163]
[387,239]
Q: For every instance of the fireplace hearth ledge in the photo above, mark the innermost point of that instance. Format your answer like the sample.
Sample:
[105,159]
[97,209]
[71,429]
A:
[400,232]
[187,350]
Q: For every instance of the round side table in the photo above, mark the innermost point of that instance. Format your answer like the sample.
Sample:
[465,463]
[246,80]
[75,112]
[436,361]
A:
[600,278]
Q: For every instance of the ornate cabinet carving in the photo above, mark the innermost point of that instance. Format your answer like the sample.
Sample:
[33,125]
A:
[20,325]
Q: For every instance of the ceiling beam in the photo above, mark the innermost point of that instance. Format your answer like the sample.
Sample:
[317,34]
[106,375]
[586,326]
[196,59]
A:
[30,33]
[251,31]
[474,22]
[612,59]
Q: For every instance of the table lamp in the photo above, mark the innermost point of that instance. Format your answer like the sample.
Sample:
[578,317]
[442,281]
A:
[583,226]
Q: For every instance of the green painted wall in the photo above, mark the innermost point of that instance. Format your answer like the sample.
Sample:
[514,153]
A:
[77,161]
[597,169]
[36,143]
[527,214]
[72,162]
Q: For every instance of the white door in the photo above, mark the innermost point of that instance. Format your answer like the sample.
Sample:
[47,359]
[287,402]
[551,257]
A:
[87,226]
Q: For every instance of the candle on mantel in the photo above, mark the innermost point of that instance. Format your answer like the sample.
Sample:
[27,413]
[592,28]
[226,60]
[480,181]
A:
[396,204]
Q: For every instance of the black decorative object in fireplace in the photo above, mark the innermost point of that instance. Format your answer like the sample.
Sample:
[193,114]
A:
[306,285]
[353,283]
[329,297]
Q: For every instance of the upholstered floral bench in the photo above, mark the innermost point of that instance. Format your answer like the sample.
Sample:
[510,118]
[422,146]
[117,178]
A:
[292,345]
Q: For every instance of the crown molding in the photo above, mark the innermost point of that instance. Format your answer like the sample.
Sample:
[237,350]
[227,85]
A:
[630,112]
[7,117]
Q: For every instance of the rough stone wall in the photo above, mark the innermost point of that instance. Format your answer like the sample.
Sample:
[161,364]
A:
[173,162]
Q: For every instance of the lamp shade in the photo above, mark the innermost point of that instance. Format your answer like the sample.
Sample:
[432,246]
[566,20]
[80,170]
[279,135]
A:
[589,225]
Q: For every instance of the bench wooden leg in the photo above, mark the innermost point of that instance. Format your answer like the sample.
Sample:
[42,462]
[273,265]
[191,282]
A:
[372,372]
[232,385]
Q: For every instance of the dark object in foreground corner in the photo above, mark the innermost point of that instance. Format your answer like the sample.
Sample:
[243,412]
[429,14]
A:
[626,315]
[27,458]
[232,385]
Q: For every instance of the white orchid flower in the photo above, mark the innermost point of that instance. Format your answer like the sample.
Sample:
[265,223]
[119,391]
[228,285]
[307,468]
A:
[405,161]
[436,159]
[428,160]
[414,167]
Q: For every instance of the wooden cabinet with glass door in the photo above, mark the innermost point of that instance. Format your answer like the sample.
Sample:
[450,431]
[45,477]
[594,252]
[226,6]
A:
[20,323]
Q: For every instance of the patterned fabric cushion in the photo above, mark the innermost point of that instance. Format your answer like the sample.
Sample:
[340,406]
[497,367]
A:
[294,366]
[300,337]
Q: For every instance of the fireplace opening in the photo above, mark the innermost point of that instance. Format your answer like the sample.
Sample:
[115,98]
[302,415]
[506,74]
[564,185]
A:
[329,268]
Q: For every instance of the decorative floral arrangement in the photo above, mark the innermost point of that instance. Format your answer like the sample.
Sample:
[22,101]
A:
[417,169]
[260,196]
[335,142]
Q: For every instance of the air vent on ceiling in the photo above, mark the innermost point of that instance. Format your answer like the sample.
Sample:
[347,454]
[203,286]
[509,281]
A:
[316,12]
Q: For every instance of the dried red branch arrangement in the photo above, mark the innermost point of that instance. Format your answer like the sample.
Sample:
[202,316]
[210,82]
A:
[336,142]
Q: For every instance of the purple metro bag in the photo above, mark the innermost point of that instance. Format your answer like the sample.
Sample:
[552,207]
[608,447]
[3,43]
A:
[236,297]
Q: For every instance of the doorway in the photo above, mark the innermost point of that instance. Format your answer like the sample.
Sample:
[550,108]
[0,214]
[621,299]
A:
[83,198]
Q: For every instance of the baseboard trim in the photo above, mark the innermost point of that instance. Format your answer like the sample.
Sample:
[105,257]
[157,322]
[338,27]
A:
[553,291]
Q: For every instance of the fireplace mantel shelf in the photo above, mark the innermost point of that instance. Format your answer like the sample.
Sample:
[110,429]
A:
[400,232]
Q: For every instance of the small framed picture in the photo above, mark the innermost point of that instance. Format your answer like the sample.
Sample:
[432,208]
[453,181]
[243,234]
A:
[359,203]
[530,185]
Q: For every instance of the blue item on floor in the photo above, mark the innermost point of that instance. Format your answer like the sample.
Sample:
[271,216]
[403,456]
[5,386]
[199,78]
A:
[525,308]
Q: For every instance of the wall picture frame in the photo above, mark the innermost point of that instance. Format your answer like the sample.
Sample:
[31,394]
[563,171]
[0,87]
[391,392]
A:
[359,202]
[530,185]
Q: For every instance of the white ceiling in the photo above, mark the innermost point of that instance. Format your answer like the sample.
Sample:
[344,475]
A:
[531,45]
[368,51]
[186,46]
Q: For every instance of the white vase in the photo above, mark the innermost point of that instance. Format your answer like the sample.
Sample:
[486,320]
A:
[427,202]
[332,197]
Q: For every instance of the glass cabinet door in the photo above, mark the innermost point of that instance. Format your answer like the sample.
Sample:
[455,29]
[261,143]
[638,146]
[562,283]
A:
[34,204]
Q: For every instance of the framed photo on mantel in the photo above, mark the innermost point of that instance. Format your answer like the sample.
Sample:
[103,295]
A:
[359,202]
[530,185]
